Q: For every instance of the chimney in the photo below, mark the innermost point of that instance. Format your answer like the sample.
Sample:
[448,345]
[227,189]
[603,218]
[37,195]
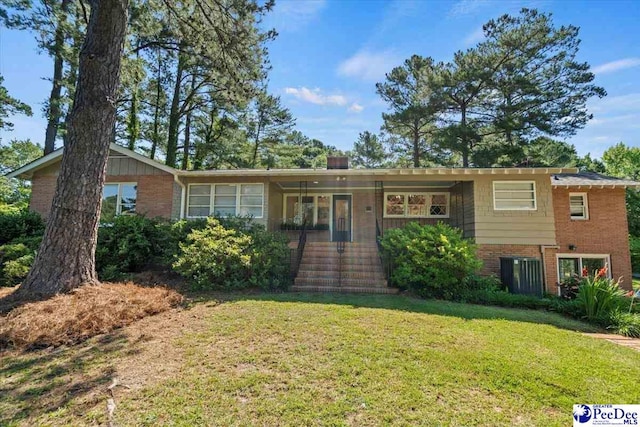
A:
[337,162]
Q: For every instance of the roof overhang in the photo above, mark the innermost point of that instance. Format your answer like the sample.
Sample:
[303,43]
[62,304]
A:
[378,174]
[589,180]
[610,185]
[27,171]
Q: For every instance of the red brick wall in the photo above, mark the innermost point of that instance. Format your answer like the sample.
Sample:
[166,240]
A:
[490,256]
[605,232]
[154,198]
[155,193]
[43,187]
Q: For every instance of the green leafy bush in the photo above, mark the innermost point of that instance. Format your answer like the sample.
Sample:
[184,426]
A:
[19,224]
[634,244]
[599,296]
[129,244]
[505,299]
[627,324]
[222,257]
[16,258]
[431,260]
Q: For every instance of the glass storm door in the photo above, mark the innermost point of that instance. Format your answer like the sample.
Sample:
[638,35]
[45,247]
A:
[341,218]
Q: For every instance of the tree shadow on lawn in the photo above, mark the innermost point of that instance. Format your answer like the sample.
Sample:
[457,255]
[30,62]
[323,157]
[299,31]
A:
[416,305]
[34,383]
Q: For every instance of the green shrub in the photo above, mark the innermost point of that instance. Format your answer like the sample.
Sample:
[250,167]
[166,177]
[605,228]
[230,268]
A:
[431,260]
[505,299]
[16,258]
[14,271]
[634,244]
[569,286]
[129,244]
[627,324]
[269,260]
[599,296]
[217,257]
[19,224]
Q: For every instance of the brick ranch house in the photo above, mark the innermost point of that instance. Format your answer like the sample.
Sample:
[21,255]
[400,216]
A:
[564,219]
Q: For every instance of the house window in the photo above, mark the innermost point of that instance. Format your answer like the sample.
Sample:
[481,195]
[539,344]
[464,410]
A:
[315,209]
[578,206]
[416,205]
[572,265]
[514,195]
[225,200]
[118,199]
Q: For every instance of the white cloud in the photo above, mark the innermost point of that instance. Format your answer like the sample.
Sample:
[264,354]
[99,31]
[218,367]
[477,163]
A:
[474,37]
[292,15]
[315,96]
[618,65]
[356,108]
[625,118]
[369,66]
[621,104]
[466,7]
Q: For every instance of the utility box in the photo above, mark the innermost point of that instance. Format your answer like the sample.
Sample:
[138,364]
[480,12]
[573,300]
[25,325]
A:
[522,275]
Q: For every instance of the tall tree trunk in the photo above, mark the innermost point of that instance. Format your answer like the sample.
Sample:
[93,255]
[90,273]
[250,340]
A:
[156,113]
[186,149]
[256,142]
[133,122]
[66,258]
[72,75]
[416,147]
[133,125]
[174,116]
[54,112]
[465,138]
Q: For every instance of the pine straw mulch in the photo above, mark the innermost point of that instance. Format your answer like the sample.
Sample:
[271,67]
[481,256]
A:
[87,311]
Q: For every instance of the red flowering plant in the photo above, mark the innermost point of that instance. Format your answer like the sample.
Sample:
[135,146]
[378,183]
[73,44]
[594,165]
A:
[599,295]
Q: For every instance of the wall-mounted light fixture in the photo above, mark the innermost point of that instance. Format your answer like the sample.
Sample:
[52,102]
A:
[572,247]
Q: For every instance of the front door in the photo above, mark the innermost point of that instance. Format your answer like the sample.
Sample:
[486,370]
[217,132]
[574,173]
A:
[342,218]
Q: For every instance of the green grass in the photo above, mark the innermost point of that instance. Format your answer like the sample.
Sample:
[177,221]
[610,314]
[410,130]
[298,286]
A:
[299,359]
[636,283]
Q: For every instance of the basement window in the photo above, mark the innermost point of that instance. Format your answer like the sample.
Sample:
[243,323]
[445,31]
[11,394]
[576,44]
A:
[575,265]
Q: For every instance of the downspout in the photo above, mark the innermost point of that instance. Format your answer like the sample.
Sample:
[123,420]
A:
[183,195]
[544,266]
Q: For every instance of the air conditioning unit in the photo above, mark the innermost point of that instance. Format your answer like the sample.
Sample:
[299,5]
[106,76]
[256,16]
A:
[522,275]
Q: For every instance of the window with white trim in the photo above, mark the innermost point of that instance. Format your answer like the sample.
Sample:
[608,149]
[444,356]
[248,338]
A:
[225,200]
[416,205]
[580,265]
[118,199]
[514,195]
[578,207]
[314,209]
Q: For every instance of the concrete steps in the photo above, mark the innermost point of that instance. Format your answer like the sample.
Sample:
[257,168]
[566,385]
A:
[322,270]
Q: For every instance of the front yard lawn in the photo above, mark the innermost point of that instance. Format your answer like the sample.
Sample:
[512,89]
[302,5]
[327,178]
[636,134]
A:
[300,359]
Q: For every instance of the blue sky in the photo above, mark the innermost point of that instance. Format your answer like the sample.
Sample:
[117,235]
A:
[330,53]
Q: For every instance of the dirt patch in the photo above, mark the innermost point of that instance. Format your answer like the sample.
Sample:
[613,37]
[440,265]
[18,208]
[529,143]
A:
[77,377]
[4,292]
[86,312]
[633,343]
[157,356]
